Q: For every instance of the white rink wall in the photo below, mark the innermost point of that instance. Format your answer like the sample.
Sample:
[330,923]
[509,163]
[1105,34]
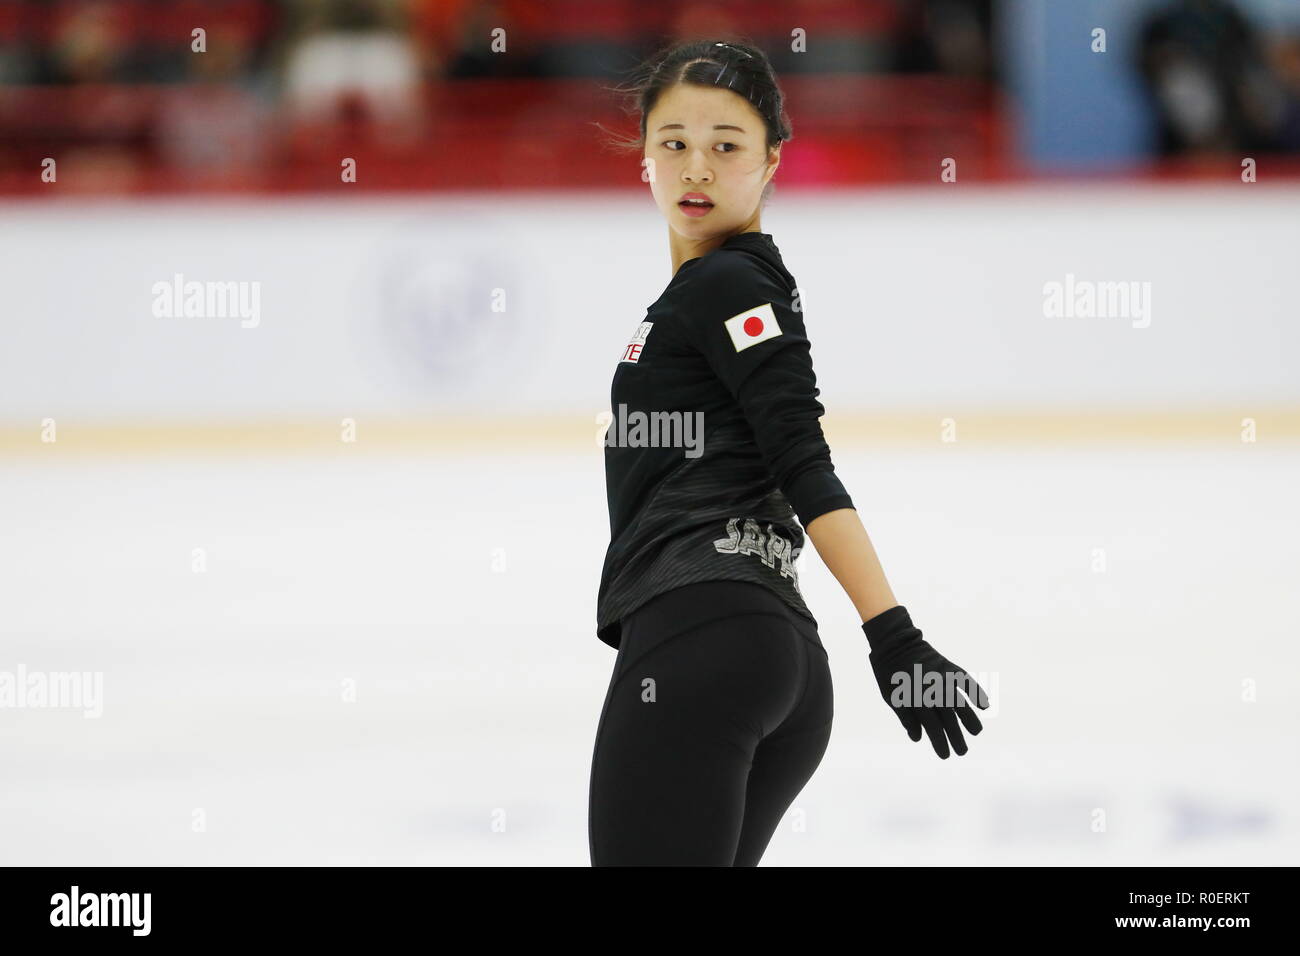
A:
[519,306]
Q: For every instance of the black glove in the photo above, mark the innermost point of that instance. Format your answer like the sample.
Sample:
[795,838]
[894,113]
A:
[919,699]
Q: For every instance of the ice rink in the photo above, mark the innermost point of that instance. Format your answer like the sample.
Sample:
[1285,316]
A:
[390,658]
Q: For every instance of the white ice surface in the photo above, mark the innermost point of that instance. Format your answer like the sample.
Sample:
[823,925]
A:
[478,688]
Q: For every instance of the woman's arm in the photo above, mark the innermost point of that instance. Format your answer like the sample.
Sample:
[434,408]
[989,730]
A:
[776,388]
[842,542]
[896,644]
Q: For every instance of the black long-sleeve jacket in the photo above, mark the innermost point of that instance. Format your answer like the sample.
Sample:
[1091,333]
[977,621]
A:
[715,445]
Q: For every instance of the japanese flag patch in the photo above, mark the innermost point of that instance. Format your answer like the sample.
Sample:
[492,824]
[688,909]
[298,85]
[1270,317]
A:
[751,327]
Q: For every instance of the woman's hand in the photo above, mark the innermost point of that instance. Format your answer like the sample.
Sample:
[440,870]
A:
[921,685]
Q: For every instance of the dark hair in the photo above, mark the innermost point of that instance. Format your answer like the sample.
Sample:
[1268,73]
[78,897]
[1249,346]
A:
[738,66]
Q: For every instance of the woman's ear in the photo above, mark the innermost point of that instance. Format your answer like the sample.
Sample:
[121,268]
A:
[773,161]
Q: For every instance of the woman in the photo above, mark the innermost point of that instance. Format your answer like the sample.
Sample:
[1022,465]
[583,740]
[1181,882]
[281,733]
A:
[719,707]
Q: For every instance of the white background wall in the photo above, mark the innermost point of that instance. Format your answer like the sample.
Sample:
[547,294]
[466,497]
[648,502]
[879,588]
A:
[385,307]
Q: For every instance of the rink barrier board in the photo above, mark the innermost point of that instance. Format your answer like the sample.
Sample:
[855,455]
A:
[1245,425]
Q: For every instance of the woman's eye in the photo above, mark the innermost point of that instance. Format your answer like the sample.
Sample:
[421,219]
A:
[669,144]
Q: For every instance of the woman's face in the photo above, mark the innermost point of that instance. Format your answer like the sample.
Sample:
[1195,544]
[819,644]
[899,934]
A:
[709,141]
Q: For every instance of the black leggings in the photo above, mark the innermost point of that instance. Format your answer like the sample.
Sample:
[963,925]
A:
[718,712]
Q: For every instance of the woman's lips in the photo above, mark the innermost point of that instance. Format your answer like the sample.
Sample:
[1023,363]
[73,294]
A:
[694,210]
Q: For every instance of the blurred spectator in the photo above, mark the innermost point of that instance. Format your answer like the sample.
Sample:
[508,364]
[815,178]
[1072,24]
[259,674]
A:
[126,41]
[1284,55]
[1211,85]
[89,43]
[216,127]
[437,33]
[527,26]
[953,37]
[355,65]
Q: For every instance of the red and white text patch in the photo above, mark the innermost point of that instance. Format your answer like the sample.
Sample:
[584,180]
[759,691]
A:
[754,326]
[633,351]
